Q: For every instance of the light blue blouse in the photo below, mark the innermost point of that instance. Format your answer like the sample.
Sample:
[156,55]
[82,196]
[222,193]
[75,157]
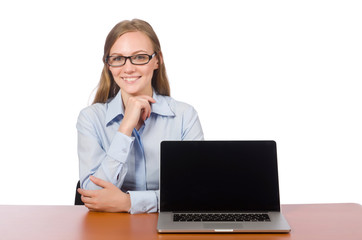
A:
[131,163]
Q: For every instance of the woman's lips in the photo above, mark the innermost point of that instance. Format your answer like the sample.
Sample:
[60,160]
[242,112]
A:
[131,79]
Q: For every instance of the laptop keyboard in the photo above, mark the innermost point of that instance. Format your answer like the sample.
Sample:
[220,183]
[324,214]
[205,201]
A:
[221,217]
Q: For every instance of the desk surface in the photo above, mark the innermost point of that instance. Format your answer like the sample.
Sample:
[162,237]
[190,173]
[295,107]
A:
[308,221]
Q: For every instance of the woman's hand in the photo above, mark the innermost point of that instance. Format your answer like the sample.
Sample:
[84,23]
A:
[108,199]
[137,110]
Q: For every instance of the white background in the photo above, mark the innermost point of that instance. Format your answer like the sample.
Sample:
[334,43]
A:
[282,70]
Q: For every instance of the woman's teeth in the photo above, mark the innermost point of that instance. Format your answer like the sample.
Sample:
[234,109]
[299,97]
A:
[130,79]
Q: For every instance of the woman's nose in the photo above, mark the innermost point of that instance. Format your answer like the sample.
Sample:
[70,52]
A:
[128,66]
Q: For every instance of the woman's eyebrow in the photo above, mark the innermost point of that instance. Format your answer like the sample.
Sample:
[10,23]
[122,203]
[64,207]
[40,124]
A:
[136,52]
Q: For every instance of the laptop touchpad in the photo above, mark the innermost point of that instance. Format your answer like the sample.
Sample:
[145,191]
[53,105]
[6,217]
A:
[222,225]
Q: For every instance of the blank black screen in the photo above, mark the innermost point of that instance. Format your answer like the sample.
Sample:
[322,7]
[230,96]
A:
[219,176]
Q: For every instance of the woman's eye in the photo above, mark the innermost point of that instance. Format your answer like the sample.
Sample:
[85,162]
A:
[118,59]
[140,57]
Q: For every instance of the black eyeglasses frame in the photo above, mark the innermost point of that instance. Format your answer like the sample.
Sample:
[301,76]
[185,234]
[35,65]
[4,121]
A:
[130,59]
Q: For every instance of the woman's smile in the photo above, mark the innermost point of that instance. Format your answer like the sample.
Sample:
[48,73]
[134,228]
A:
[131,79]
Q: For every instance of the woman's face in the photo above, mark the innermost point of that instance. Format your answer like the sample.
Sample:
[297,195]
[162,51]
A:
[133,79]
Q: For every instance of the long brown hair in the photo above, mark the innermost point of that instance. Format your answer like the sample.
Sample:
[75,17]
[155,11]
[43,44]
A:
[107,87]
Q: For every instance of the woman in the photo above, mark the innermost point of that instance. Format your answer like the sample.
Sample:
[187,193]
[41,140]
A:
[119,135]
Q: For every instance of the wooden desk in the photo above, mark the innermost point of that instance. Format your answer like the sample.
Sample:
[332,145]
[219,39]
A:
[308,222]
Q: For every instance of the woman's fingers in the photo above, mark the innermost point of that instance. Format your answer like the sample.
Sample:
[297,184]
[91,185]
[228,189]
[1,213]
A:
[136,109]
[100,182]
[147,107]
[108,199]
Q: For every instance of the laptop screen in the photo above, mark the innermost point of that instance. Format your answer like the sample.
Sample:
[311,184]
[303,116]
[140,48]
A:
[219,176]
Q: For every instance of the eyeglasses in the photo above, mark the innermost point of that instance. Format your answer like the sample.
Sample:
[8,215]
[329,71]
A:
[139,59]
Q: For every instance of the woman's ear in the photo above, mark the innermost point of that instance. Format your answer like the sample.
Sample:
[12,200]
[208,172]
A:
[160,59]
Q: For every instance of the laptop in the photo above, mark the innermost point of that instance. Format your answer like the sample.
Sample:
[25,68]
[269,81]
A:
[219,186]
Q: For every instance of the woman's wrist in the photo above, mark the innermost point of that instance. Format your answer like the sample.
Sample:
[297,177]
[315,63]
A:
[128,204]
[126,130]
